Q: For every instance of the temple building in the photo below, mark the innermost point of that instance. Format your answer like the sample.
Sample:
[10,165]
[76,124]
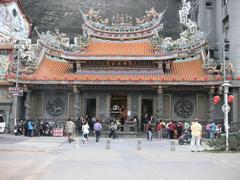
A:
[119,70]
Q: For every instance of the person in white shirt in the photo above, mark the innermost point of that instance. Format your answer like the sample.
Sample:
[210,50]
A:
[85,130]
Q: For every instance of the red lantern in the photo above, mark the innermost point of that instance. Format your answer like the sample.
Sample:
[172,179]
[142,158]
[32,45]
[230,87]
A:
[206,78]
[229,77]
[230,99]
[218,77]
[216,100]
[238,78]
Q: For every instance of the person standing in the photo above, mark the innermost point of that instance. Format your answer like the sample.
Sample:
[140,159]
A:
[69,129]
[160,127]
[111,128]
[208,128]
[149,131]
[85,131]
[30,128]
[97,127]
[196,132]
[213,130]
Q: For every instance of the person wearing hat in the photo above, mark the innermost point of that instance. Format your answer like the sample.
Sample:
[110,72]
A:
[196,132]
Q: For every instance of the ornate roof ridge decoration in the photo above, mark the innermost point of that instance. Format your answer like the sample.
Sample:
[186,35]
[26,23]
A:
[59,42]
[191,40]
[6,43]
[122,26]
[14,22]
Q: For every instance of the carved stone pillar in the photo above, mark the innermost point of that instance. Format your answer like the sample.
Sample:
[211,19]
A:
[70,66]
[97,105]
[108,105]
[78,67]
[139,114]
[159,109]
[27,105]
[168,66]
[129,102]
[210,104]
[160,67]
[76,102]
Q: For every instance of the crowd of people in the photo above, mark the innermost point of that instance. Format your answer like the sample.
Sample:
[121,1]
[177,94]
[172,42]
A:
[175,130]
[85,125]
[170,129]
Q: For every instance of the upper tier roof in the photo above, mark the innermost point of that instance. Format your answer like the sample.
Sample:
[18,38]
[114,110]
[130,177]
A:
[65,15]
[107,48]
[52,71]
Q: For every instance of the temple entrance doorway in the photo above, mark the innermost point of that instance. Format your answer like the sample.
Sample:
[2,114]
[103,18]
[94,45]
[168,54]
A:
[147,109]
[90,107]
[118,110]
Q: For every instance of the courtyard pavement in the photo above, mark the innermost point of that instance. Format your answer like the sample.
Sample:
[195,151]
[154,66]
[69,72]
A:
[53,158]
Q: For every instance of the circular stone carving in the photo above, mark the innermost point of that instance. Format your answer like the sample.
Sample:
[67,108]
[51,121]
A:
[183,108]
[55,106]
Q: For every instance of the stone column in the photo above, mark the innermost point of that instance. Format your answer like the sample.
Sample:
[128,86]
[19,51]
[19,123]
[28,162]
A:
[168,66]
[160,67]
[235,108]
[108,104]
[139,113]
[97,105]
[210,104]
[70,65]
[76,102]
[129,104]
[78,67]
[159,109]
[27,105]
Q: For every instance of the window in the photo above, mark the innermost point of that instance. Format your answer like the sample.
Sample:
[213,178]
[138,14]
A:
[225,23]
[224,2]
[1,119]
[208,4]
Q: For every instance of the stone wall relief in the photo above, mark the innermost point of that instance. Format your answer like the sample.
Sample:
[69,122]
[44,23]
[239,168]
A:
[55,106]
[183,108]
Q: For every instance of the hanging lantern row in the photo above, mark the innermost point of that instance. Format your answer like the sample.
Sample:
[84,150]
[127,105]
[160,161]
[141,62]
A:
[216,99]
[230,99]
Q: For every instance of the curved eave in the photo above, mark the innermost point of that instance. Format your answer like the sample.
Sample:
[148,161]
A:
[118,57]
[97,82]
[156,25]
[152,24]
[123,38]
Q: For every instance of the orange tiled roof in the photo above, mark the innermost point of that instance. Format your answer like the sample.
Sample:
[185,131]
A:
[5,83]
[59,71]
[6,46]
[100,48]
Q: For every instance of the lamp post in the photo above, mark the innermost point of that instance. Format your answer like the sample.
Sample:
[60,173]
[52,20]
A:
[225,85]
[226,109]
[17,88]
